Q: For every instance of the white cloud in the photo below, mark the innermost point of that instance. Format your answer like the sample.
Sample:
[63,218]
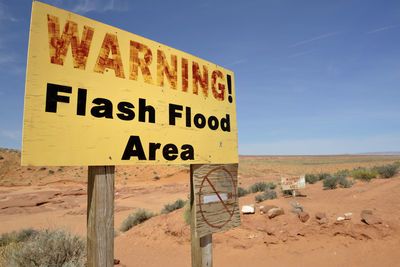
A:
[384,143]
[383,29]
[15,135]
[8,58]
[236,62]
[319,37]
[300,54]
[84,6]
[5,15]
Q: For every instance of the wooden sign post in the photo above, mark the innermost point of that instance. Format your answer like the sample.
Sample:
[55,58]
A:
[100,216]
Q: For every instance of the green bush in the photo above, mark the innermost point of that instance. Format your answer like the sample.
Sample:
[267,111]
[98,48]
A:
[174,206]
[47,248]
[343,173]
[21,236]
[258,198]
[261,186]
[267,194]
[387,171]
[364,174]
[139,216]
[242,192]
[330,182]
[271,185]
[344,182]
[311,178]
[323,176]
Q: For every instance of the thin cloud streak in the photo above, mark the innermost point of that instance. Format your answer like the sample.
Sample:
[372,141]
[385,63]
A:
[237,62]
[300,54]
[383,29]
[4,15]
[85,6]
[7,59]
[320,37]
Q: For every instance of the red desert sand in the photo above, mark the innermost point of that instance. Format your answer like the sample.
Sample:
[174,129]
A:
[55,197]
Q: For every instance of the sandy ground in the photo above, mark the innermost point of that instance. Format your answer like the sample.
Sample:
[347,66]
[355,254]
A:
[56,197]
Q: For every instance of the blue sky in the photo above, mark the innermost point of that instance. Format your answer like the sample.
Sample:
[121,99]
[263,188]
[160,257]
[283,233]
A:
[311,77]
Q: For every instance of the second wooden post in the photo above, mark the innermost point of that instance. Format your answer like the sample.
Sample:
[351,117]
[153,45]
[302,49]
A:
[201,247]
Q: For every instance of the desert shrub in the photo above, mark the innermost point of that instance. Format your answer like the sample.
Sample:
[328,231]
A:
[343,173]
[364,174]
[261,186]
[174,206]
[47,248]
[25,234]
[42,169]
[330,182]
[344,182]
[257,187]
[269,194]
[311,178]
[387,171]
[323,175]
[242,191]
[21,236]
[271,185]
[51,172]
[139,216]
[258,198]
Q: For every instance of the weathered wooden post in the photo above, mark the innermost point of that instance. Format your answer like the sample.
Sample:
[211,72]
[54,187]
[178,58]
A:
[201,247]
[100,216]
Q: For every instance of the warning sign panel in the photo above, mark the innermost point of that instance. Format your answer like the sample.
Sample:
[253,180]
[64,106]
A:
[98,95]
[215,192]
[292,183]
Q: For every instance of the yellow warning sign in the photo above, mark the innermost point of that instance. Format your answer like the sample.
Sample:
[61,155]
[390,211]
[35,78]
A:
[98,95]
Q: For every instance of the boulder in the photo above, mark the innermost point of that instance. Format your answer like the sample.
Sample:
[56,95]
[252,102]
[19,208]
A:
[303,216]
[347,215]
[248,209]
[266,208]
[323,221]
[297,207]
[320,215]
[369,218]
[339,219]
[366,212]
[272,213]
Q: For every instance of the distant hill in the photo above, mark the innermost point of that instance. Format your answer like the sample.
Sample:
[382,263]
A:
[391,153]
